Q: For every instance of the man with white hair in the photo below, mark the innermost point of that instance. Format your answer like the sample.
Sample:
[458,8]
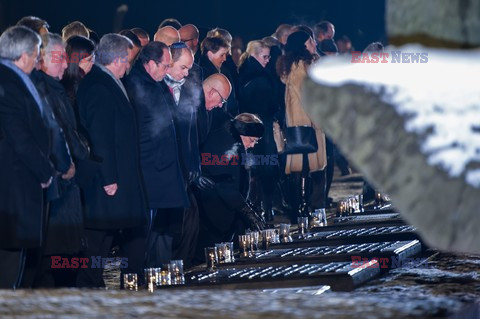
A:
[25,168]
[114,199]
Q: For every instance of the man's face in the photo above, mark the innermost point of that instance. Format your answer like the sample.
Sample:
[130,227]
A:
[54,63]
[31,61]
[160,69]
[214,98]
[218,58]
[180,68]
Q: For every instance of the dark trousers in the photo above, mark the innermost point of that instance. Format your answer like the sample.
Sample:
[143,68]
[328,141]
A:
[165,229]
[184,248]
[12,263]
[99,243]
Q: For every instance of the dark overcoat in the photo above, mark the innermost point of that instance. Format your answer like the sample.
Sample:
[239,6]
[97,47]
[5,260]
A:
[65,219]
[108,119]
[24,164]
[160,161]
[257,95]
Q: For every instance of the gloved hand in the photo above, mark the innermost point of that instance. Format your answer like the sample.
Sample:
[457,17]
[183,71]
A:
[201,182]
[252,219]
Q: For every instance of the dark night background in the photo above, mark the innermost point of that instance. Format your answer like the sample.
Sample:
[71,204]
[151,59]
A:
[362,21]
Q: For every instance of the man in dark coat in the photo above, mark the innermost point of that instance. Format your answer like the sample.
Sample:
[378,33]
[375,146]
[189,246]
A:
[184,81]
[64,233]
[25,168]
[114,196]
[160,160]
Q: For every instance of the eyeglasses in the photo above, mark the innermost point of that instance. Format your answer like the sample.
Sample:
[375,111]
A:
[186,40]
[165,66]
[221,97]
[266,57]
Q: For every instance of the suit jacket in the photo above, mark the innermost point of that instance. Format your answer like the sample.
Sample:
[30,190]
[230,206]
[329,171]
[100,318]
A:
[108,119]
[24,164]
[160,160]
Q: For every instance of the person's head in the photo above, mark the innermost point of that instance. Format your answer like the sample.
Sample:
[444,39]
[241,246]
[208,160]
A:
[137,45]
[21,45]
[53,59]
[328,47]
[74,28]
[189,35]
[167,35]
[112,52]
[249,127]
[182,61]
[220,33]
[34,23]
[259,50]
[271,41]
[142,36]
[216,50]
[282,33]
[156,59]
[344,44]
[92,35]
[217,89]
[236,55]
[324,30]
[300,46]
[170,22]
[80,56]
[374,47]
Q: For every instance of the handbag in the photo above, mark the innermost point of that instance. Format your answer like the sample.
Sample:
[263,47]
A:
[300,140]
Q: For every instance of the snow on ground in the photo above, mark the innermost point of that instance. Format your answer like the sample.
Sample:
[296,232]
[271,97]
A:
[439,97]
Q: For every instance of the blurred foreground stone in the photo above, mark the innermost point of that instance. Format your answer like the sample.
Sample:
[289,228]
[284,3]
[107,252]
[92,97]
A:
[372,134]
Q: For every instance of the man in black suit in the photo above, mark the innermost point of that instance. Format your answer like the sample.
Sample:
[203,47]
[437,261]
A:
[159,149]
[25,168]
[114,197]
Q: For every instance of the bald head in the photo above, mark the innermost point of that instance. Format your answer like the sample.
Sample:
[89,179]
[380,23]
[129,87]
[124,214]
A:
[167,35]
[217,89]
[189,34]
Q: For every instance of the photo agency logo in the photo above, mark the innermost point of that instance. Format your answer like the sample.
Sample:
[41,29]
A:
[76,57]
[243,159]
[84,262]
[389,57]
[384,262]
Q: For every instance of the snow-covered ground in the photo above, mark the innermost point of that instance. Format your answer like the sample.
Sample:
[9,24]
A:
[440,98]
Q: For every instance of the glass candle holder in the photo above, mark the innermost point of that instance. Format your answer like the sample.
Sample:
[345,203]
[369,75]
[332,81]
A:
[130,281]
[211,258]
[302,225]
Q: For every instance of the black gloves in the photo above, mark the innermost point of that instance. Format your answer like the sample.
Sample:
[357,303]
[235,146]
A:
[252,219]
[201,182]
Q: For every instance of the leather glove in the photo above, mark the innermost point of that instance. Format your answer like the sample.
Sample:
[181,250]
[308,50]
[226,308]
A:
[252,219]
[201,182]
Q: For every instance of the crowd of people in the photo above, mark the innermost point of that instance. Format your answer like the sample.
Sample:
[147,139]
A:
[159,148]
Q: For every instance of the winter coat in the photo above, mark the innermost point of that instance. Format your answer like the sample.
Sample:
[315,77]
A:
[159,151]
[24,164]
[296,116]
[109,120]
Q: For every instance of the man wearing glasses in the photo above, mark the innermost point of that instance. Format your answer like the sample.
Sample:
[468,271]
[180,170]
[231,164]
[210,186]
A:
[161,163]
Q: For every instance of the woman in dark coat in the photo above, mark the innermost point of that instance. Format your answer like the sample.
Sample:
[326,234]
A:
[257,95]
[80,59]
[223,210]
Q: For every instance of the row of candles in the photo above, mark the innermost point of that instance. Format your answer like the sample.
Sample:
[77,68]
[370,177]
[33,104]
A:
[168,274]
